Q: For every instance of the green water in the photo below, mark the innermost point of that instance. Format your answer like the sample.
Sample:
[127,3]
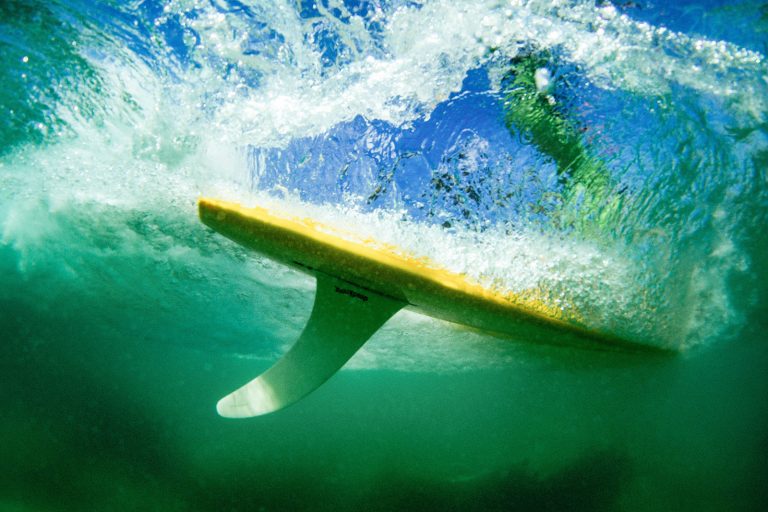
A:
[101,420]
[123,320]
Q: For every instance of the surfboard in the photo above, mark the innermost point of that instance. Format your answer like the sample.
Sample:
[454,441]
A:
[361,283]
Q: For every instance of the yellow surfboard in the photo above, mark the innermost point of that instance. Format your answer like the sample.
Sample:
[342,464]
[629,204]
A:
[360,285]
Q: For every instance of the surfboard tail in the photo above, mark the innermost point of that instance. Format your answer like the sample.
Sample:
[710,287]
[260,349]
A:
[343,318]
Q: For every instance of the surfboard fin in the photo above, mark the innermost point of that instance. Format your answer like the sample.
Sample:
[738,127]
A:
[343,317]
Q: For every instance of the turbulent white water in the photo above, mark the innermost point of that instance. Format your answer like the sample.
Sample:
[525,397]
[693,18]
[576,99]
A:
[426,49]
[111,199]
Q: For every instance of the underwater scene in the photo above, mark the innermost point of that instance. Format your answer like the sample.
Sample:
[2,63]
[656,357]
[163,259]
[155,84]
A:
[607,158]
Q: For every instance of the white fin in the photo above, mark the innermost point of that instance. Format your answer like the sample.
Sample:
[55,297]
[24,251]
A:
[343,317]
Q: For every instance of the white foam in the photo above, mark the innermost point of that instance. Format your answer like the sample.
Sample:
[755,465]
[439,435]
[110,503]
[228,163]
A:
[428,49]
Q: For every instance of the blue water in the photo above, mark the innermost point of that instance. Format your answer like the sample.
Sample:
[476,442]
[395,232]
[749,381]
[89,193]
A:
[123,320]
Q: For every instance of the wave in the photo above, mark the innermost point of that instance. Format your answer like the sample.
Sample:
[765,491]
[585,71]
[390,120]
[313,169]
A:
[391,114]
